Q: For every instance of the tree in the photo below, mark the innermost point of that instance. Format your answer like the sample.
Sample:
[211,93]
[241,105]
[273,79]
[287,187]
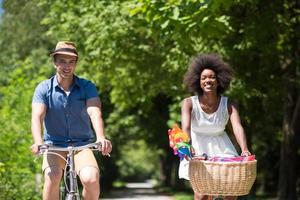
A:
[22,65]
[239,30]
[17,166]
[290,65]
[20,32]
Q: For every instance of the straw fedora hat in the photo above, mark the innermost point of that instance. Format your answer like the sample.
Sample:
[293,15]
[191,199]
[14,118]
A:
[65,48]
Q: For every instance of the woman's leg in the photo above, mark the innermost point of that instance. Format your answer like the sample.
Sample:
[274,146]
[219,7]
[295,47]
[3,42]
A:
[230,198]
[198,196]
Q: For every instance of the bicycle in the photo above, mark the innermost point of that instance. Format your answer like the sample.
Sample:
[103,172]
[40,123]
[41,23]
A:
[70,175]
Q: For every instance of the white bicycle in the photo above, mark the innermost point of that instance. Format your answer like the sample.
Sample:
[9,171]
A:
[70,176]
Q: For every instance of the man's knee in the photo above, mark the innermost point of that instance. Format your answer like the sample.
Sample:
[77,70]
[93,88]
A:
[53,175]
[89,176]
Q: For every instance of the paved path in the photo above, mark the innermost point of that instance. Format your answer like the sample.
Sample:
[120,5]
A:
[142,191]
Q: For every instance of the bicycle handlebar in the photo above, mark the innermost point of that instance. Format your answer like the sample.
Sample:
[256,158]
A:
[93,146]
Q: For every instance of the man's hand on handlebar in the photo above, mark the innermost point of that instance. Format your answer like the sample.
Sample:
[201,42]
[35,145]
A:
[106,146]
[35,148]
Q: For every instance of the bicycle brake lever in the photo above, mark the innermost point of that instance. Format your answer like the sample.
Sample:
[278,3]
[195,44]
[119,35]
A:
[98,146]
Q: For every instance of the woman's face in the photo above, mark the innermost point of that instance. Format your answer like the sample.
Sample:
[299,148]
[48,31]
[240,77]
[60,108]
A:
[208,81]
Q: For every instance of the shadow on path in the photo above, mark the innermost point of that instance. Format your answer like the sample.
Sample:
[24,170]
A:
[137,191]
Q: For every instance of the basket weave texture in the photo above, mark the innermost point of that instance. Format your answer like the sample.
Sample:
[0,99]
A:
[222,178]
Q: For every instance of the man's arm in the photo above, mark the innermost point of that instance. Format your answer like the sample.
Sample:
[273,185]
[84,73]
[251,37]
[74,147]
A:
[94,111]
[37,118]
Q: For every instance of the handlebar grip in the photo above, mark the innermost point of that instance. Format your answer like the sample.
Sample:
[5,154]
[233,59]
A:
[42,148]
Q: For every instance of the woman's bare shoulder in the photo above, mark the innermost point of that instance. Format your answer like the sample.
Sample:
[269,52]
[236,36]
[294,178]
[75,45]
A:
[187,103]
[187,100]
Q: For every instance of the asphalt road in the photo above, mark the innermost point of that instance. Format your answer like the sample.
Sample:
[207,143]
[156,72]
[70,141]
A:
[142,191]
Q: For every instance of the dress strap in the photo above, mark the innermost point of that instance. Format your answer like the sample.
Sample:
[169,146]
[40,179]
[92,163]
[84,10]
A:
[194,102]
[224,107]
[225,102]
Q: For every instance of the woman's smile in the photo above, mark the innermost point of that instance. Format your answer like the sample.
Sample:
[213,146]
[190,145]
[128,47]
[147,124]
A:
[208,80]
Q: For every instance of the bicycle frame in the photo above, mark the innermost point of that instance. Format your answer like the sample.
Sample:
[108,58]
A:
[71,186]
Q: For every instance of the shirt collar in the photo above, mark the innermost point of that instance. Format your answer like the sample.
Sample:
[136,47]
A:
[55,82]
[76,81]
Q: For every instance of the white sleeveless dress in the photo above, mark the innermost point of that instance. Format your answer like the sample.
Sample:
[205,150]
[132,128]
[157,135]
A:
[208,134]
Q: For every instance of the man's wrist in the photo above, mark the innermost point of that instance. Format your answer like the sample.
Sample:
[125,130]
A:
[101,138]
[38,143]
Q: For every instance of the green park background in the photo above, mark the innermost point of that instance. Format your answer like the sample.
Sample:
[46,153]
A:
[136,52]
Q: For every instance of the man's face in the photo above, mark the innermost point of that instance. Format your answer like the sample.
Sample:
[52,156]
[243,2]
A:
[65,65]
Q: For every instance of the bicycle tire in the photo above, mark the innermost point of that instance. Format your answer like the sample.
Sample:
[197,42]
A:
[70,197]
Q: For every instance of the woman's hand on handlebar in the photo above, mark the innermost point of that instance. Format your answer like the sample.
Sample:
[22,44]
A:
[192,150]
[246,153]
[106,146]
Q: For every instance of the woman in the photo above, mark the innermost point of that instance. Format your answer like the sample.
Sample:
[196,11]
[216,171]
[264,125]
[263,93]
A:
[205,115]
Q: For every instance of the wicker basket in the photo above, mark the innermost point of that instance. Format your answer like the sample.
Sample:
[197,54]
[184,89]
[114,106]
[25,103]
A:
[222,178]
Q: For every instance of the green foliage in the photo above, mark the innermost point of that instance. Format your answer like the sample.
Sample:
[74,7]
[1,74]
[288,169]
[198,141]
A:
[138,161]
[20,32]
[199,22]
[18,167]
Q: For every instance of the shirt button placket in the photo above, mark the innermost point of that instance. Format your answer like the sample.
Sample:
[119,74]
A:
[67,110]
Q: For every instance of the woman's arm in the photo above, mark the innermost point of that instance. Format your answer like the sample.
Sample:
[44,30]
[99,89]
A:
[186,109]
[238,129]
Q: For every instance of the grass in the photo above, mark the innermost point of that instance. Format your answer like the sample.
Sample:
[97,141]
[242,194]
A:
[183,196]
[119,184]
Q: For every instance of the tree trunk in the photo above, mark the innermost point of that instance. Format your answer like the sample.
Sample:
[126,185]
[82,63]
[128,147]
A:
[166,168]
[291,123]
[287,178]
[288,158]
[158,124]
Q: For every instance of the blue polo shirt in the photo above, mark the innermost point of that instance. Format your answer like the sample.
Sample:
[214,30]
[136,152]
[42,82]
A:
[66,121]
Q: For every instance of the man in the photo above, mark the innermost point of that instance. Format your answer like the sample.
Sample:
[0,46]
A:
[68,105]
